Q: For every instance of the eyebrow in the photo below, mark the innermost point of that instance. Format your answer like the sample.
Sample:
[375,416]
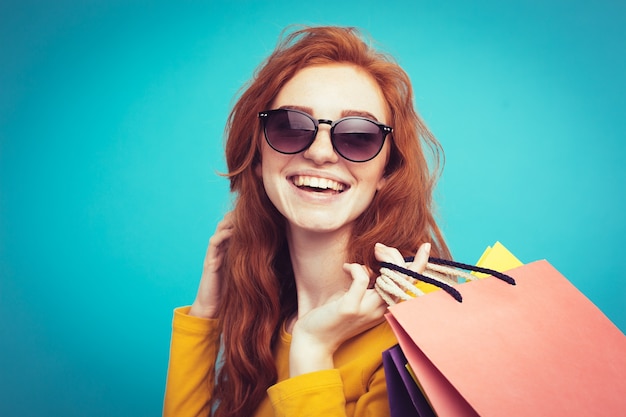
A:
[344,113]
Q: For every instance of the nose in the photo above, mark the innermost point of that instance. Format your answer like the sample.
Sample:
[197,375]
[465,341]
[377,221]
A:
[321,150]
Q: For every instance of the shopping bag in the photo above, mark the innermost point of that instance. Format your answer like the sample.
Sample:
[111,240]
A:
[497,257]
[538,347]
[405,397]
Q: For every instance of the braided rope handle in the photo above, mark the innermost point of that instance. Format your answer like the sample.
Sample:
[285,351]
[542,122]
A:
[397,283]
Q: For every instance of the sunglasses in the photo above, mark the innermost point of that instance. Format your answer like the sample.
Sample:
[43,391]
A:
[356,139]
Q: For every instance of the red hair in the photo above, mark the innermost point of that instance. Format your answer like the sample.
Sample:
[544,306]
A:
[258,290]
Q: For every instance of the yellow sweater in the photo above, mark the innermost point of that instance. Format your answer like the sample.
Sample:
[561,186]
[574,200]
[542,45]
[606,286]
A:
[356,387]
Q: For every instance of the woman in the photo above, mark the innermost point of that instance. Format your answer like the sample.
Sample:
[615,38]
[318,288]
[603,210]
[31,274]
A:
[326,162]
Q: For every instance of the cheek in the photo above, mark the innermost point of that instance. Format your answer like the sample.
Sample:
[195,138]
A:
[264,153]
[378,172]
[371,178]
[265,160]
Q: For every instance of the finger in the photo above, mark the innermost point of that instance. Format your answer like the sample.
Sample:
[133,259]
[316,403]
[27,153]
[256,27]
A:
[358,288]
[217,247]
[226,222]
[217,244]
[362,304]
[385,253]
[421,258]
[373,302]
[223,230]
[220,237]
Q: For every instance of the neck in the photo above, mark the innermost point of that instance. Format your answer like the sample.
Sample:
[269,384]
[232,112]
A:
[317,260]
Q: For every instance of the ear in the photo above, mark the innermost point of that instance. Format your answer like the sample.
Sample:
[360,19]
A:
[381,183]
[258,169]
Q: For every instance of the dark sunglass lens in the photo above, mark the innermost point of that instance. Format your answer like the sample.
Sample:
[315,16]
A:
[358,140]
[289,131]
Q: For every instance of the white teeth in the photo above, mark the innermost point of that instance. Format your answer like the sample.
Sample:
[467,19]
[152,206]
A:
[316,182]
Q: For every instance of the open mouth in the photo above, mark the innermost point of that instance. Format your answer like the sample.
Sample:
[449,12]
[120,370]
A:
[317,184]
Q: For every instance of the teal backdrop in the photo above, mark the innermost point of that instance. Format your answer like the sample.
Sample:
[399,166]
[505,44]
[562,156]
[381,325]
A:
[111,123]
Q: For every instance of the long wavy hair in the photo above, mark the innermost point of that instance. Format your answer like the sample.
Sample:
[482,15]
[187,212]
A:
[258,288]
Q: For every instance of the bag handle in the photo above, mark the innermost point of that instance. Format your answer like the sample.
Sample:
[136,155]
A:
[398,283]
[504,277]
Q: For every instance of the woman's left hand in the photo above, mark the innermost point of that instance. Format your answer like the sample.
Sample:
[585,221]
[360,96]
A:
[318,333]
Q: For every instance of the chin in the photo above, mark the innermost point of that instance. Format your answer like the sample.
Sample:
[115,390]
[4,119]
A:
[322,226]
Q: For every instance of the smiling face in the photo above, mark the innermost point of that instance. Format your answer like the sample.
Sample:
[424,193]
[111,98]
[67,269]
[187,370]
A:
[318,190]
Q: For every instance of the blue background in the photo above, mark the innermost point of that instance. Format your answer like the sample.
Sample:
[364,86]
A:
[111,123]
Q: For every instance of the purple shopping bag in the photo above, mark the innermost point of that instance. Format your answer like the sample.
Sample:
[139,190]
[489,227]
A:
[405,397]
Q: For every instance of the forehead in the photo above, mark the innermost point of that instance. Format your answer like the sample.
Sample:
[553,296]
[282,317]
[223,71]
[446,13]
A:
[333,90]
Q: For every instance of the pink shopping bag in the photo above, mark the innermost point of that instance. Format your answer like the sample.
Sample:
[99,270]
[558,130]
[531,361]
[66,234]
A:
[539,347]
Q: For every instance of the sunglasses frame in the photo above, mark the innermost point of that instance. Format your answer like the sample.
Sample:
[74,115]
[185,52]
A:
[384,129]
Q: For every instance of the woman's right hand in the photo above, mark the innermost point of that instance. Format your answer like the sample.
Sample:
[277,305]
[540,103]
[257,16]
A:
[207,299]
